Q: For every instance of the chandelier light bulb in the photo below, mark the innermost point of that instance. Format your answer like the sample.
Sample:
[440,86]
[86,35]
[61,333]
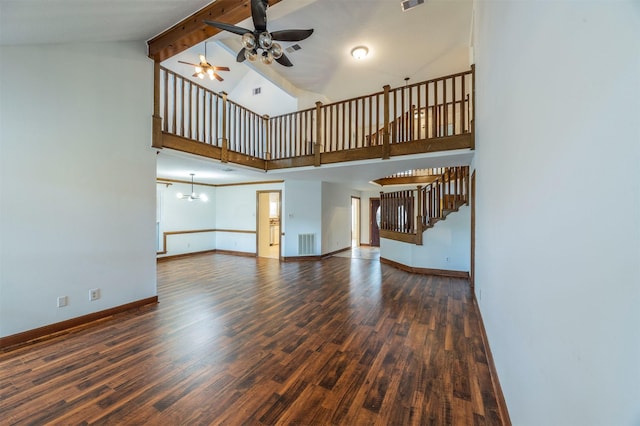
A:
[264,40]
[276,51]
[248,41]
[179,195]
[251,55]
[267,57]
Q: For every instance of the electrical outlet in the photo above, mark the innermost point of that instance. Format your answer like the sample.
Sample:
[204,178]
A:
[62,301]
[94,294]
[446,259]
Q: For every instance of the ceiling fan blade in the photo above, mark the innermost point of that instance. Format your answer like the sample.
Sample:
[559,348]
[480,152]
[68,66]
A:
[291,35]
[189,63]
[221,68]
[259,14]
[228,27]
[241,56]
[218,77]
[283,60]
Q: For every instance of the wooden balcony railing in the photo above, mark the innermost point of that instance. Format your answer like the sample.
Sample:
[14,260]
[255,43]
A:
[406,214]
[390,122]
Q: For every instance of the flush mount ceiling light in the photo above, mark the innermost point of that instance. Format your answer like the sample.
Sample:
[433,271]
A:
[360,52]
[193,195]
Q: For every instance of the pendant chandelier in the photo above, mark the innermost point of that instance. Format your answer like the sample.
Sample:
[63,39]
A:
[193,195]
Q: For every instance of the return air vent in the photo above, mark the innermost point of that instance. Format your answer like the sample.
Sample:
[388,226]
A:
[408,4]
[293,48]
[306,244]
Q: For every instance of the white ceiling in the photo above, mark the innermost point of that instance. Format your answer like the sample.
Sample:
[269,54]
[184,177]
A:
[428,41]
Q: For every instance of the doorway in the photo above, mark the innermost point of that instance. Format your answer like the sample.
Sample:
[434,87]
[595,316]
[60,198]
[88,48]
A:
[268,235]
[374,222]
[355,221]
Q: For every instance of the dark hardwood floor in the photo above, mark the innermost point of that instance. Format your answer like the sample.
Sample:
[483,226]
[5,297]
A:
[237,340]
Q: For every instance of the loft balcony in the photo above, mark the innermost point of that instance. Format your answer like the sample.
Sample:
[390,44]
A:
[429,116]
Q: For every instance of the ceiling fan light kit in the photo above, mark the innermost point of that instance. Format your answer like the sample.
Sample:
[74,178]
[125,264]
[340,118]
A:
[204,68]
[260,39]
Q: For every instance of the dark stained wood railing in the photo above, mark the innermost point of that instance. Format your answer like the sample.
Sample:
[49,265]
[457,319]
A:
[359,128]
[406,214]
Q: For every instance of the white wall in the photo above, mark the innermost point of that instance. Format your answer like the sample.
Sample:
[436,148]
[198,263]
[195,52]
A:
[558,213]
[77,191]
[272,100]
[301,214]
[336,216]
[236,210]
[447,245]
[182,215]
[448,239]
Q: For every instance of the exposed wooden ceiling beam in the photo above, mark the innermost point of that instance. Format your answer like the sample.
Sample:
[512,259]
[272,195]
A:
[193,30]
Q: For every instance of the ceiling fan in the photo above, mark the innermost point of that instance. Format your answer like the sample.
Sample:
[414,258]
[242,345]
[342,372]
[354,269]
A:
[260,38]
[205,68]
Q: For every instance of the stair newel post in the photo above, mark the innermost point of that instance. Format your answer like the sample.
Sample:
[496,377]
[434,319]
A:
[224,156]
[319,141]
[473,106]
[267,141]
[419,216]
[385,133]
[156,139]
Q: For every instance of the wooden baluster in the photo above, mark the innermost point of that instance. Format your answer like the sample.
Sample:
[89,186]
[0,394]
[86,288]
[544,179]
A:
[224,155]
[175,105]
[462,106]
[453,103]
[427,124]
[299,132]
[419,110]
[386,149]
[370,119]
[217,135]
[182,107]
[166,101]
[197,132]
[319,140]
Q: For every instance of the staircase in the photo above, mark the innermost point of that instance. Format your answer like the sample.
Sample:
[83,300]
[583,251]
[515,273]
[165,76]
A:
[405,215]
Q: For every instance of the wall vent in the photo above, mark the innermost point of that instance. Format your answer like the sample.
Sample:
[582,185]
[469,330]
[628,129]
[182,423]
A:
[306,244]
[408,4]
[257,91]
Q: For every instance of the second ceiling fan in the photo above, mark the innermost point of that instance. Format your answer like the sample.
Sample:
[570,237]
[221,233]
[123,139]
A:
[260,38]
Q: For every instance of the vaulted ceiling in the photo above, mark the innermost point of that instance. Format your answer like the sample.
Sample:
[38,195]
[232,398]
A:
[427,41]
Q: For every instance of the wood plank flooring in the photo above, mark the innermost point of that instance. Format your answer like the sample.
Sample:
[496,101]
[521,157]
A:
[238,340]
